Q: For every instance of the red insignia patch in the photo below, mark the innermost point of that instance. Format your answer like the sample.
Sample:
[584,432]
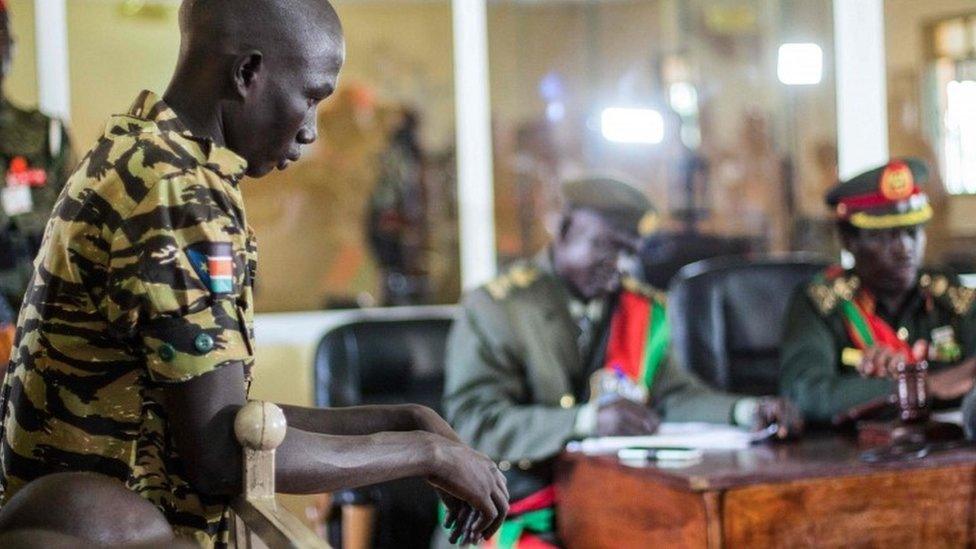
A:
[19,173]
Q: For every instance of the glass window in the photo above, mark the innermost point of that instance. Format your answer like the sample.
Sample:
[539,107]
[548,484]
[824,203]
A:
[359,221]
[680,97]
[366,217]
[960,137]
[954,68]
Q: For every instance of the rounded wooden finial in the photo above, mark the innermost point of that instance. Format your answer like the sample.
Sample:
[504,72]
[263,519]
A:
[260,425]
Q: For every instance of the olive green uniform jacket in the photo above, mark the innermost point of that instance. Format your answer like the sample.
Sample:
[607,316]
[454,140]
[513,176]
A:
[814,339]
[515,377]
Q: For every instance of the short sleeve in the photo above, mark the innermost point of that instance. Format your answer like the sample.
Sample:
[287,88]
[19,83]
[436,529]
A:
[186,346]
[175,279]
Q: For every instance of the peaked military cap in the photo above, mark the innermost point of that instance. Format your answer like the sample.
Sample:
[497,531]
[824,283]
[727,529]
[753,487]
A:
[886,197]
[620,202]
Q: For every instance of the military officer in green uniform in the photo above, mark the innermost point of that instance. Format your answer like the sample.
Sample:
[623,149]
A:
[35,159]
[847,330]
[564,347]
[135,344]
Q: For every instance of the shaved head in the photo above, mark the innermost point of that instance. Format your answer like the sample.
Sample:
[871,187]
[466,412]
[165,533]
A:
[252,72]
[236,25]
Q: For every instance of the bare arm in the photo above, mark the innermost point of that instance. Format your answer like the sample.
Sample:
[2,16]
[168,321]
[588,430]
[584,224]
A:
[311,463]
[201,415]
[367,420]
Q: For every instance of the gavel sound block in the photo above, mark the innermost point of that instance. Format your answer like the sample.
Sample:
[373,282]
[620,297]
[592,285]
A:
[914,424]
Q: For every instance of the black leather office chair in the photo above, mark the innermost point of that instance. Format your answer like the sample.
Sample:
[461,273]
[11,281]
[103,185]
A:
[726,317]
[664,253]
[391,356]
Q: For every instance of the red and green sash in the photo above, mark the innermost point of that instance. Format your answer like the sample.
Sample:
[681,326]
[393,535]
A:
[865,327]
[638,338]
[531,515]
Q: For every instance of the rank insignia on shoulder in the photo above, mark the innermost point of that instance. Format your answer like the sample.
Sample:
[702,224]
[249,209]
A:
[519,276]
[831,288]
[214,264]
[961,298]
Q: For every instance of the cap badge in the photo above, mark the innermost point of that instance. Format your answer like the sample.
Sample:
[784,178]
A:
[897,182]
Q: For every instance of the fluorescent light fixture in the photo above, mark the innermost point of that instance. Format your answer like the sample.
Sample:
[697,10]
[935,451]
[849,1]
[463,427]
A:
[622,125]
[555,111]
[800,64]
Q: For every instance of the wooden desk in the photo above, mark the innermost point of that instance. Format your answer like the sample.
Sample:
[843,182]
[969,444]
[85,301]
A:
[815,493]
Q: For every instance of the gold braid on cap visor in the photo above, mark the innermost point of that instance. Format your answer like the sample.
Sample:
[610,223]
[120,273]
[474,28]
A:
[862,220]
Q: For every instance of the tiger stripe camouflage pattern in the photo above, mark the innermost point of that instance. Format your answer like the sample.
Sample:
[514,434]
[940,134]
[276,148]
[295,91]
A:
[116,310]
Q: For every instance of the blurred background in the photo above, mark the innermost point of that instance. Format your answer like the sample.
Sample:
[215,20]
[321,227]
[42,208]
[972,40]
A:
[733,116]
[723,111]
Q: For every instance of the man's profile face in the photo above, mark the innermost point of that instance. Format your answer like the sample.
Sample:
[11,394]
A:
[278,117]
[587,251]
[888,259]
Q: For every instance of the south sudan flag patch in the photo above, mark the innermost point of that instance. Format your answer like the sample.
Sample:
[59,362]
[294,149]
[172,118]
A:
[214,264]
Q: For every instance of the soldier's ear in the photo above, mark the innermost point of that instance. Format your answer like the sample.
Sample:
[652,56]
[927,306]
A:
[247,70]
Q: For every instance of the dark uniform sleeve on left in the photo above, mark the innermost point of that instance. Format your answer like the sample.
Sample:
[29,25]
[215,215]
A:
[811,375]
[488,396]
[679,395]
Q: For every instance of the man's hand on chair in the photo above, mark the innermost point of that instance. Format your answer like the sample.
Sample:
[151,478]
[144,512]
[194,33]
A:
[475,490]
[460,515]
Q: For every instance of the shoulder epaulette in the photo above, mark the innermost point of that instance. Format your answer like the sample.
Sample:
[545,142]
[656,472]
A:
[831,287]
[521,275]
[635,286]
[959,299]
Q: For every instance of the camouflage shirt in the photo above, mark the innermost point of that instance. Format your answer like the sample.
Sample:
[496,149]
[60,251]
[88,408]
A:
[144,279]
[35,159]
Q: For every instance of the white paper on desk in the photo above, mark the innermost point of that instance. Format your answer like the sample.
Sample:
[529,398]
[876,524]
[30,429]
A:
[949,416]
[701,436]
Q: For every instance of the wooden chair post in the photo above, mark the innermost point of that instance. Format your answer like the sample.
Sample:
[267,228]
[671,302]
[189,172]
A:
[260,428]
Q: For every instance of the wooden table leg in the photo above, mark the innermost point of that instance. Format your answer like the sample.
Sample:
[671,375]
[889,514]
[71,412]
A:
[713,519]
[357,526]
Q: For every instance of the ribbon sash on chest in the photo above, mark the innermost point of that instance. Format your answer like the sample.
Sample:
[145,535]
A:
[638,338]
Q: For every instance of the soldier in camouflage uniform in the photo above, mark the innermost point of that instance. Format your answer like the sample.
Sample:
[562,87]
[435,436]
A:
[35,159]
[135,342]
[847,330]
